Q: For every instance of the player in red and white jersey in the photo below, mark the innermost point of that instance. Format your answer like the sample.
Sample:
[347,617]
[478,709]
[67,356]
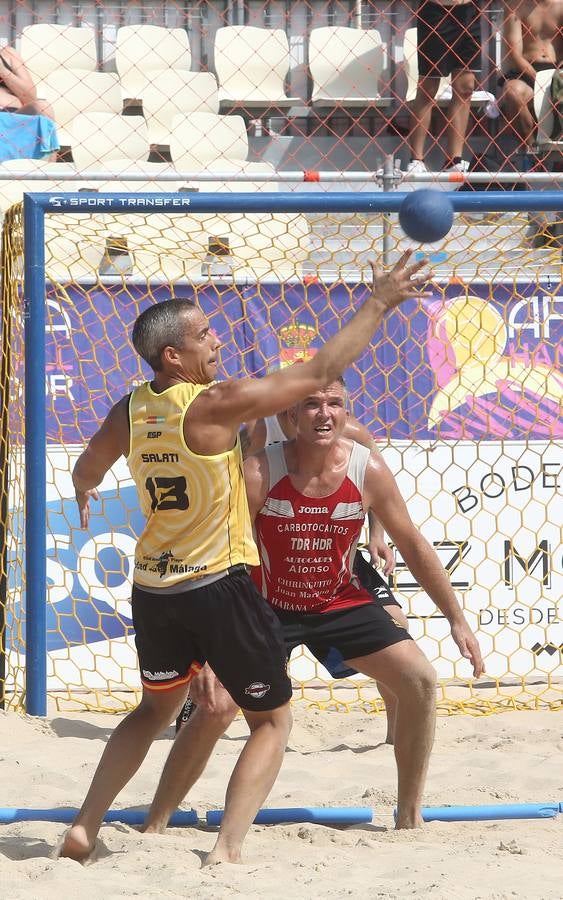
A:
[337,483]
[307,545]
[261,433]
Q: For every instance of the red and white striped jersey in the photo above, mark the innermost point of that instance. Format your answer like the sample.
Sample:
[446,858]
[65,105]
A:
[307,544]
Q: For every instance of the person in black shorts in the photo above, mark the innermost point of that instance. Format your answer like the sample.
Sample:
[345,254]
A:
[383,597]
[262,433]
[448,43]
[307,498]
[533,42]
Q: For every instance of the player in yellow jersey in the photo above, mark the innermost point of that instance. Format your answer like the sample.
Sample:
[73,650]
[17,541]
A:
[193,600]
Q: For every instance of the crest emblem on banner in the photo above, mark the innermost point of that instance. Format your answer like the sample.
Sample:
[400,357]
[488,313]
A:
[295,339]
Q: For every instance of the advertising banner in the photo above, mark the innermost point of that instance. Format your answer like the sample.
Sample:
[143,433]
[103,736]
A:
[463,391]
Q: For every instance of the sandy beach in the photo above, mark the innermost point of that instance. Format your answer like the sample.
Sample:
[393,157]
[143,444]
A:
[333,758]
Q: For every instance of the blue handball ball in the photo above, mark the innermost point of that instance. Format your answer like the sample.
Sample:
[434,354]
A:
[426,216]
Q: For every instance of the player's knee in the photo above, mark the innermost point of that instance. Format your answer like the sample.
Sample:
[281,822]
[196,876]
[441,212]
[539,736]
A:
[463,86]
[419,682]
[278,720]
[221,716]
[426,91]
[426,680]
[516,95]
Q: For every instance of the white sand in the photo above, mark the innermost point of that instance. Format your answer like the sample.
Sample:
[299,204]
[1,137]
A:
[333,758]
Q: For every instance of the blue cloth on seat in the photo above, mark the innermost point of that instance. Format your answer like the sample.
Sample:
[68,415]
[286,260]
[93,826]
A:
[26,137]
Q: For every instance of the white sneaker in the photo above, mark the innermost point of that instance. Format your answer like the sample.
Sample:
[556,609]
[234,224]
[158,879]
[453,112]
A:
[459,169]
[414,167]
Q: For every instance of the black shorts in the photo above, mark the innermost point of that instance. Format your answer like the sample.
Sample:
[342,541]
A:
[518,75]
[449,38]
[227,624]
[372,581]
[334,637]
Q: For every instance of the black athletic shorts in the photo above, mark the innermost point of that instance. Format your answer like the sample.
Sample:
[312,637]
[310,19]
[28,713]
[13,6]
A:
[227,624]
[334,637]
[518,75]
[449,38]
[372,581]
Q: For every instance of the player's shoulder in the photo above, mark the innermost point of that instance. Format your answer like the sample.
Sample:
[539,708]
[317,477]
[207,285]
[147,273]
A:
[120,409]
[117,418]
[376,464]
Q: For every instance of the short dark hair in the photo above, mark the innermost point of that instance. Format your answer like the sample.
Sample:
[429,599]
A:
[160,325]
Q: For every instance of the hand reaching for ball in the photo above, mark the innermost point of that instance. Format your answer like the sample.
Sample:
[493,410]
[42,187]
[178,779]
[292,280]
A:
[400,282]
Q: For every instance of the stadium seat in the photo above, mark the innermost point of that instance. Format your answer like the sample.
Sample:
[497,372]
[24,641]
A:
[444,93]
[200,141]
[142,50]
[346,66]
[47,48]
[543,109]
[72,92]
[13,188]
[97,138]
[172,92]
[251,65]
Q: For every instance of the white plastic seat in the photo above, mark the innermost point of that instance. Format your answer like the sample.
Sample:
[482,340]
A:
[170,93]
[346,65]
[46,166]
[97,138]
[12,191]
[444,92]
[251,65]
[543,109]
[47,48]
[142,50]
[73,92]
[200,140]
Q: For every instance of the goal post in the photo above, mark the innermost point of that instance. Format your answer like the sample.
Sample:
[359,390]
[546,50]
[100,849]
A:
[253,327]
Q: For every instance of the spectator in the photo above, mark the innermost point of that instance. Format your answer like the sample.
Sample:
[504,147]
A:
[17,91]
[449,43]
[533,40]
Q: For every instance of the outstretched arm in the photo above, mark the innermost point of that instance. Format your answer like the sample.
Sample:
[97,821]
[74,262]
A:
[106,446]
[382,494]
[229,403]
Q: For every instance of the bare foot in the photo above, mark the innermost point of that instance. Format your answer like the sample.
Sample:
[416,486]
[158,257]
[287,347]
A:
[218,856]
[154,828]
[409,822]
[76,845]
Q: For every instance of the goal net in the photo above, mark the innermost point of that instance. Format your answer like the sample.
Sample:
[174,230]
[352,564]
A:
[462,393]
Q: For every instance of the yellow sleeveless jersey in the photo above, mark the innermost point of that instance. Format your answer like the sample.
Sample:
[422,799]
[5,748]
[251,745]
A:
[197,519]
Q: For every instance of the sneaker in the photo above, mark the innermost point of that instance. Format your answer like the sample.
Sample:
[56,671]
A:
[414,168]
[457,172]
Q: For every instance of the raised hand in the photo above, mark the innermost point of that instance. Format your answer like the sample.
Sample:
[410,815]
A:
[400,282]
